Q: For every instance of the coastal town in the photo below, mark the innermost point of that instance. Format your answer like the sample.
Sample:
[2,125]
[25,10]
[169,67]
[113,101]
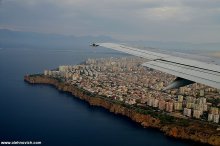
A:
[126,80]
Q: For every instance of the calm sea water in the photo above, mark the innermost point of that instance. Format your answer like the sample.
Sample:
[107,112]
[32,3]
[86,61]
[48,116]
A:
[41,113]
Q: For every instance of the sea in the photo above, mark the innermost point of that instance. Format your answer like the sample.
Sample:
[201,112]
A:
[40,113]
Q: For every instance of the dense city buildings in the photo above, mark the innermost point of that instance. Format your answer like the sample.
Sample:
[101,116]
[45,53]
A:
[125,80]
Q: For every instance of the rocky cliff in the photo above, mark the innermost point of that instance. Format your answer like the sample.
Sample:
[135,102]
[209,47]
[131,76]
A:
[195,131]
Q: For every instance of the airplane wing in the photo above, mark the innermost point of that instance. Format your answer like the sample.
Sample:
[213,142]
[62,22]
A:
[187,70]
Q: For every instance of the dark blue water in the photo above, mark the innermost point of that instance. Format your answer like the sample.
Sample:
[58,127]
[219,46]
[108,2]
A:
[41,113]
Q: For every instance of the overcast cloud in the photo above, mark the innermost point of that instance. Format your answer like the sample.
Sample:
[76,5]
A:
[159,20]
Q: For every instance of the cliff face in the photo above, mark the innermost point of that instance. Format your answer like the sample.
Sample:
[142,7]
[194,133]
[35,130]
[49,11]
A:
[195,131]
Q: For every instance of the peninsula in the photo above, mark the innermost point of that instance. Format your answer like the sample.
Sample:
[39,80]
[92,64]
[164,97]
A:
[124,87]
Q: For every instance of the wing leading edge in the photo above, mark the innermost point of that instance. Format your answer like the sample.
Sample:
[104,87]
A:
[184,68]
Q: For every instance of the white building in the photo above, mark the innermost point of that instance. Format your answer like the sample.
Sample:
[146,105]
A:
[150,101]
[210,117]
[202,92]
[216,118]
[187,112]
[180,98]
[197,114]
[155,102]
[63,68]
[178,106]
[46,72]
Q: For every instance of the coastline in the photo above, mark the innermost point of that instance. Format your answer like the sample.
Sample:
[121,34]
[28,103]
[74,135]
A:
[195,131]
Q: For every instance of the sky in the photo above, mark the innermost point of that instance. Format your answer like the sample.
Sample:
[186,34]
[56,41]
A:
[195,21]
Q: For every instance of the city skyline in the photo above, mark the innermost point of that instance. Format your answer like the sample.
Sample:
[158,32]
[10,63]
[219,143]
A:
[124,80]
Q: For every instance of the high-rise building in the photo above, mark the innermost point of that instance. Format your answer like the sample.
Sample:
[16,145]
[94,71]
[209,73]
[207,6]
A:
[210,117]
[205,107]
[162,104]
[197,114]
[187,112]
[63,68]
[169,106]
[150,101]
[155,102]
[180,98]
[182,90]
[189,105]
[46,72]
[178,106]
[202,100]
[216,118]
[202,93]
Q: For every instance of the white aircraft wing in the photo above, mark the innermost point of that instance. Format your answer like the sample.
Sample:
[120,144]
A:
[187,70]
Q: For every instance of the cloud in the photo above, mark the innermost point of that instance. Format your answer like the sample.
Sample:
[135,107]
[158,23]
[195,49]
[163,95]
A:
[178,20]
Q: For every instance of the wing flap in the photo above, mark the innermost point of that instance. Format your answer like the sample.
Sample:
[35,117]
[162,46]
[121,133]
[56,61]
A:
[194,63]
[200,75]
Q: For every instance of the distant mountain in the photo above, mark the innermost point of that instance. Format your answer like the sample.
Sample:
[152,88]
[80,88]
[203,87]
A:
[18,39]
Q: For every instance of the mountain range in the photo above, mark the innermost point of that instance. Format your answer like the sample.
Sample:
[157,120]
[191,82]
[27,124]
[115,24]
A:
[20,39]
